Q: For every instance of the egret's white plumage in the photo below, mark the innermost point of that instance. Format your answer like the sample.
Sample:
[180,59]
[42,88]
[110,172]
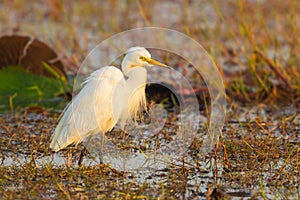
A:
[106,98]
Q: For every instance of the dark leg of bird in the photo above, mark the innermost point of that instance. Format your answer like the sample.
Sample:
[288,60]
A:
[81,156]
[83,152]
[100,158]
[100,153]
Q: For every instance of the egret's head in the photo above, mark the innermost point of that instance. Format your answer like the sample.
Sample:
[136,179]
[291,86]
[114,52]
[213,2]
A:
[138,57]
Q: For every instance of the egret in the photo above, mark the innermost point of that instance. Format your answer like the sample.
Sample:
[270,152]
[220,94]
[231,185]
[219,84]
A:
[108,96]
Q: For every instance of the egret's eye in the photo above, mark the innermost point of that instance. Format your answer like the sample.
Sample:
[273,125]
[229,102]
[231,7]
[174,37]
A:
[144,59]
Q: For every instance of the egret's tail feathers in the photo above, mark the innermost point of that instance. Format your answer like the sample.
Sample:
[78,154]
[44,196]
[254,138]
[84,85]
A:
[57,145]
[65,136]
[61,138]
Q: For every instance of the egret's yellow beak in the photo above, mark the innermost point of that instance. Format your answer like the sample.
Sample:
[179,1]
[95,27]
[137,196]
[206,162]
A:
[154,62]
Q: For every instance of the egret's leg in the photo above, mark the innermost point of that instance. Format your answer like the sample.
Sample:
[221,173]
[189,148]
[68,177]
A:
[81,156]
[102,144]
[84,151]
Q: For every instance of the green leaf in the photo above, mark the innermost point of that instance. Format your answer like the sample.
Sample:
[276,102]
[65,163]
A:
[20,88]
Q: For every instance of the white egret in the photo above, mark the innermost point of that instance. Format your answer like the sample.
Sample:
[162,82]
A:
[108,97]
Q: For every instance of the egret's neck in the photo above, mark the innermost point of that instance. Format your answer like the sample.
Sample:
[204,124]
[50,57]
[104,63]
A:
[136,84]
[136,77]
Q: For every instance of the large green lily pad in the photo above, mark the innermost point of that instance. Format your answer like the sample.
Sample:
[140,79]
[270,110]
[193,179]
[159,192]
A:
[21,88]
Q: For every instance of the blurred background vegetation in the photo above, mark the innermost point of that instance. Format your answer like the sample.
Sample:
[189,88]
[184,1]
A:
[255,43]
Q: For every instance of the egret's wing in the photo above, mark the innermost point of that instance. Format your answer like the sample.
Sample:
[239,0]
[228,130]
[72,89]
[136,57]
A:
[92,110]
